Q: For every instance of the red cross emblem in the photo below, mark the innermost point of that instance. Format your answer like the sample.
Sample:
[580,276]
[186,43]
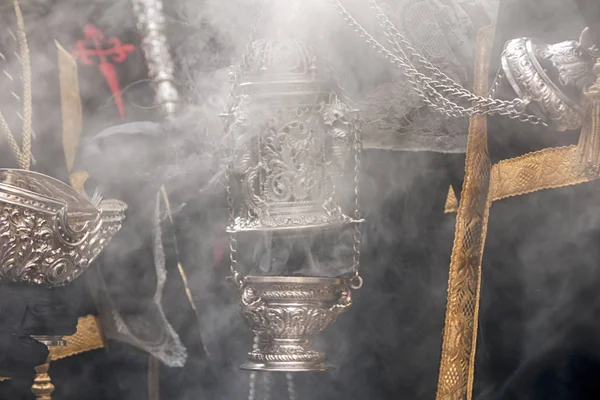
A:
[94,49]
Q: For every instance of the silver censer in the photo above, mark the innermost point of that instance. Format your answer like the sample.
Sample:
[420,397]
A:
[294,151]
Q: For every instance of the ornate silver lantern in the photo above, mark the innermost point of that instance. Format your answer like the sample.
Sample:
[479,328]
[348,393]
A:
[49,233]
[293,201]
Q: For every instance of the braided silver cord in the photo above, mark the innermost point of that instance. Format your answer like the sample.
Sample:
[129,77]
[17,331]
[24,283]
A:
[357,280]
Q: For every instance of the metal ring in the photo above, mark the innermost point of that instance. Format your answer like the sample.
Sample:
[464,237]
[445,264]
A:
[356,282]
[238,280]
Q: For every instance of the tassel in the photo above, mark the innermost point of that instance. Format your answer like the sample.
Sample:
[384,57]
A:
[588,150]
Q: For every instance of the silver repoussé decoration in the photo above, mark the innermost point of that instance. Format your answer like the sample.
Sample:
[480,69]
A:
[290,139]
[284,312]
[49,233]
[531,82]
[294,145]
[544,75]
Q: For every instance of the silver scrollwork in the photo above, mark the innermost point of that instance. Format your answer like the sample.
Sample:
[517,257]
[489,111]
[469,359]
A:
[284,312]
[292,137]
[530,80]
[49,233]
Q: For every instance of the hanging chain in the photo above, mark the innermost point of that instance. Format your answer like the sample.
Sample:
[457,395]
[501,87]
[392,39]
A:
[252,390]
[357,281]
[267,382]
[253,375]
[419,82]
[268,385]
[252,37]
[248,49]
[497,82]
[235,274]
[340,90]
[433,92]
[232,105]
[291,387]
[445,83]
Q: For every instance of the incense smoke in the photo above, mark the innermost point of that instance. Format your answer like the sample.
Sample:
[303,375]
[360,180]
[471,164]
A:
[388,345]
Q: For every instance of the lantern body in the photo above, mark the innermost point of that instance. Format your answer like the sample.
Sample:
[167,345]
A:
[290,143]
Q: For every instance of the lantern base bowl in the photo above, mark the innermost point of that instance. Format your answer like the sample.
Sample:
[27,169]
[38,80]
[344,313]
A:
[286,355]
[284,313]
[287,366]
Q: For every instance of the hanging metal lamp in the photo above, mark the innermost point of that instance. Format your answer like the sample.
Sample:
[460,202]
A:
[293,201]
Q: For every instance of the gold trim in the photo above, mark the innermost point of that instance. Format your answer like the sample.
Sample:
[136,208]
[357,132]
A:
[451,205]
[545,169]
[71,112]
[87,338]
[550,168]
[457,363]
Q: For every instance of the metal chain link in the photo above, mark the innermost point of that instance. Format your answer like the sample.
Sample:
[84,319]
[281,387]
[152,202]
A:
[421,84]
[235,274]
[433,93]
[497,82]
[291,387]
[452,88]
[267,380]
[251,38]
[357,280]
[513,109]
[252,389]
[232,105]
[253,375]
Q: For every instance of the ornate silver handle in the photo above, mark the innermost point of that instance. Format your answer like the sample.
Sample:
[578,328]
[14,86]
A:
[344,301]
